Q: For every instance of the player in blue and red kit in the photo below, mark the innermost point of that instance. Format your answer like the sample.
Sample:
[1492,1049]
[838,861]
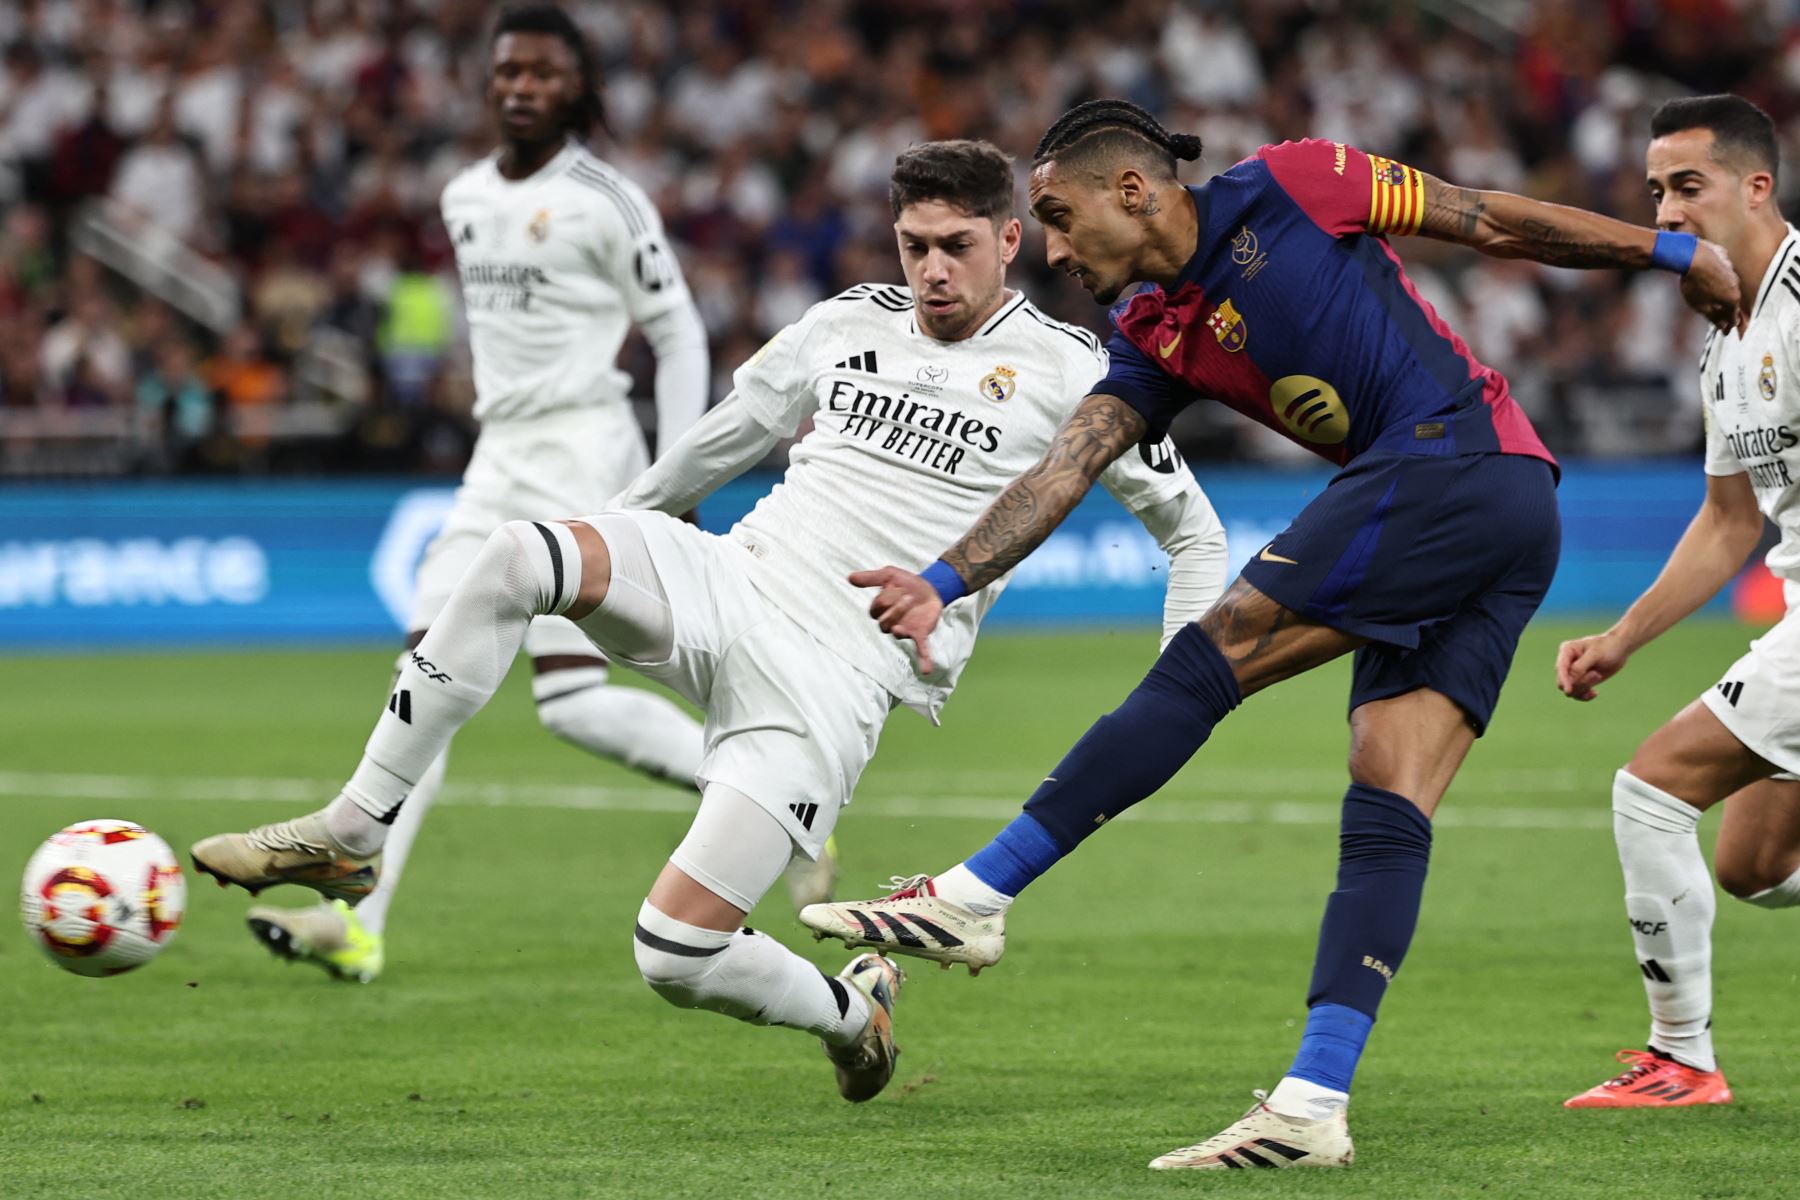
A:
[1273,289]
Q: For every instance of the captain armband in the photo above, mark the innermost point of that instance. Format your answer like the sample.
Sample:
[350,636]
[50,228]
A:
[1396,196]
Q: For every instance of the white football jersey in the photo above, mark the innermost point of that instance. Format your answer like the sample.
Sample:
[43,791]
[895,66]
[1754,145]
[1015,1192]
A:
[555,269]
[912,439]
[1750,387]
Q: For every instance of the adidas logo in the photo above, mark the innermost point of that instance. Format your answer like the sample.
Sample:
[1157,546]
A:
[1245,1156]
[896,930]
[861,362]
[1731,691]
[804,813]
[1653,970]
[400,704]
[1161,457]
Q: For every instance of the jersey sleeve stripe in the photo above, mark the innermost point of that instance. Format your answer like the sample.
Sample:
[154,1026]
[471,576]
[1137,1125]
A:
[1085,337]
[626,204]
[1787,253]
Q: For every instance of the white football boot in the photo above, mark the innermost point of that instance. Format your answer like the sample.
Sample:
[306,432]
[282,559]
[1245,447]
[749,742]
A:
[1265,1138]
[913,920]
[866,1064]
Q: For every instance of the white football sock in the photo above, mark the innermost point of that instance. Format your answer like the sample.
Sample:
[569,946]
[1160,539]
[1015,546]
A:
[373,910]
[1669,900]
[1785,894]
[746,975]
[524,569]
[960,886]
[638,728]
[1296,1097]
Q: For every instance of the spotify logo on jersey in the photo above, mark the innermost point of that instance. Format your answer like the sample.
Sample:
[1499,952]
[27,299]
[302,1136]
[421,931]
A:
[1311,408]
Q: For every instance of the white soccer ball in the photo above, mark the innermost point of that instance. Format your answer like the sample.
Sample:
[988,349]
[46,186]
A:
[102,897]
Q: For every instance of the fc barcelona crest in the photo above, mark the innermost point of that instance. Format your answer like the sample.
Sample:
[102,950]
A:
[998,384]
[1227,324]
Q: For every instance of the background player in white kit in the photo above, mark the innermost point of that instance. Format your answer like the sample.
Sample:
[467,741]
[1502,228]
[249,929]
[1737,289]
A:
[558,255]
[924,406]
[1712,166]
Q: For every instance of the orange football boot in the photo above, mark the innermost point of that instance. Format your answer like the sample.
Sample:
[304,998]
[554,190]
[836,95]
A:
[1654,1081]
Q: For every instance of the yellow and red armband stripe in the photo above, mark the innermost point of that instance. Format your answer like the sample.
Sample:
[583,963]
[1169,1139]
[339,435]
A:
[1396,196]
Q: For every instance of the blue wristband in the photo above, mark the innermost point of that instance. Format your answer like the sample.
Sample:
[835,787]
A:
[944,581]
[1674,251]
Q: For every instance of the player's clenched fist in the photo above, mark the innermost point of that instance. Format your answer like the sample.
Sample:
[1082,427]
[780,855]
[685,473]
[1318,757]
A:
[1710,287]
[906,606]
[1585,663]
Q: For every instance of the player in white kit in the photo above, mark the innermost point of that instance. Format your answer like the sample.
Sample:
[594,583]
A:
[1712,168]
[925,403]
[559,255]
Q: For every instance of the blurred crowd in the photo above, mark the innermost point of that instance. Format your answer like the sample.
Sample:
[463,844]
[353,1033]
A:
[220,249]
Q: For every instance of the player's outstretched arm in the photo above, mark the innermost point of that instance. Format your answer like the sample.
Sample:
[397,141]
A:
[1099,430]
[1718,540]
[717,448]
[1509,226]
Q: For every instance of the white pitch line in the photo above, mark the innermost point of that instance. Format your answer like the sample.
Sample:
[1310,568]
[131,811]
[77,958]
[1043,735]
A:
[1172,809]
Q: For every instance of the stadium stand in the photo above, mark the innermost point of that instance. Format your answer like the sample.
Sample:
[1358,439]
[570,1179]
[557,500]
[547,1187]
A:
[220,252]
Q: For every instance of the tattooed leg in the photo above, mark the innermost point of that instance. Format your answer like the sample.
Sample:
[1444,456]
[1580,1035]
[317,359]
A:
[1246,642]
[1264,642]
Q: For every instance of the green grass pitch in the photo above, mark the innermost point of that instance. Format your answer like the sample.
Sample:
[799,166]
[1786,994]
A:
[1150,982]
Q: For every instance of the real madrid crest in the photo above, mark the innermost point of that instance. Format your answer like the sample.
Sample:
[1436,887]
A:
[998,384]
[1765,382]
[539,229]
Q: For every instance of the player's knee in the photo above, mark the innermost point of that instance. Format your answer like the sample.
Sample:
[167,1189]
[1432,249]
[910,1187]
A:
[527,565]
[1764,878]
[1741,880]
[673,971]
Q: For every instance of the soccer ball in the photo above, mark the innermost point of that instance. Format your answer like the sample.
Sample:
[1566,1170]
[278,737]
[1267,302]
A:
[102,897]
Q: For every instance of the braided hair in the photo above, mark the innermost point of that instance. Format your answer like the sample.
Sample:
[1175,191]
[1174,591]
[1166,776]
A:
[588,110]
[1101,130]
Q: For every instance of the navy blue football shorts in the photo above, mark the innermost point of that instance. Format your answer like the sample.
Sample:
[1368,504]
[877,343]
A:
[1438,562]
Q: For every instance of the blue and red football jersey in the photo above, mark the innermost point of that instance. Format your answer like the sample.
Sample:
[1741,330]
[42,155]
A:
[1296,312]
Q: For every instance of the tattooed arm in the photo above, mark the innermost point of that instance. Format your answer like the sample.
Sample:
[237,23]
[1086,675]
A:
[1507,226]
[1099,430]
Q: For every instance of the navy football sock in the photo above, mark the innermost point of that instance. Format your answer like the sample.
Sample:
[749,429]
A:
[1127,755]
[1384,846]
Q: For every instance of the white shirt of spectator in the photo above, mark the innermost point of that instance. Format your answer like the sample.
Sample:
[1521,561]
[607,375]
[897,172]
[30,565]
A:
[1750,387]
[555,269]
[911,440]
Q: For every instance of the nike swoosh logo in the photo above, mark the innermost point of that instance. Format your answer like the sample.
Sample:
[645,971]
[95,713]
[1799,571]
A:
[1169,348]
[1268,557]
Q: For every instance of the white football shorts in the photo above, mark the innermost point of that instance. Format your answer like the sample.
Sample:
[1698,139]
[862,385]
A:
[549,467]
[1759,697]
[789,723]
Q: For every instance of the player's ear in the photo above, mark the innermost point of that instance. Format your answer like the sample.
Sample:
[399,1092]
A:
[1759,189]
[1136,192]
[1010,233]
